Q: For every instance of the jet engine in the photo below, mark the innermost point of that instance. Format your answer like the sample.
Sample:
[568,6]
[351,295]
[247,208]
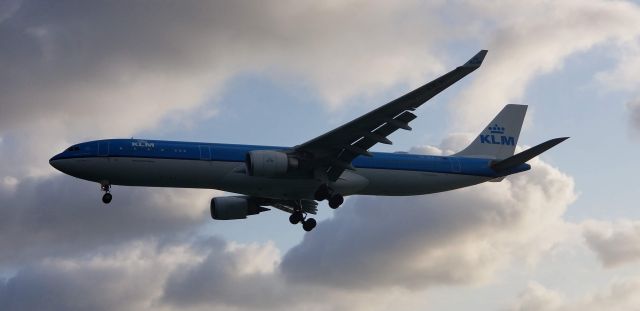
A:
[269,163]
[235,207]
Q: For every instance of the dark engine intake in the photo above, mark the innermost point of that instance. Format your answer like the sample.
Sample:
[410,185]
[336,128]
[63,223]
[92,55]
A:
[269,163]
[235,207]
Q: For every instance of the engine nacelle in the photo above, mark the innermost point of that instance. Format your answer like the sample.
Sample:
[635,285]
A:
[269,163]
[236,207]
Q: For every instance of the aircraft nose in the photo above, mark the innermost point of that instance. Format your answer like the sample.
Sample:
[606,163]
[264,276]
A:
[55,162]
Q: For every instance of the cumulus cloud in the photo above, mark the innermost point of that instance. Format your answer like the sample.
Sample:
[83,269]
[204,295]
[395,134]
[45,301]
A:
[618,295]
[61,216]
[152,274]
[75,70]
[538,297]
[524,46]
[457,237]
[395,246]
[241,276]
[128,277]
[625,75]
[83,70]
[615,243]
[634,114]
[451,144]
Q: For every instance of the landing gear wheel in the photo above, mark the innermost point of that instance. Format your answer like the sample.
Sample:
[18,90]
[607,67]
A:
[106,186]
[335,201]
[106,198]
[295,218]
[309,224]
[322,193]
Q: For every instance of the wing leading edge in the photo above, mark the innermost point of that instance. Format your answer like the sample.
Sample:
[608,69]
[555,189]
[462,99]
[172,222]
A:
[334,151]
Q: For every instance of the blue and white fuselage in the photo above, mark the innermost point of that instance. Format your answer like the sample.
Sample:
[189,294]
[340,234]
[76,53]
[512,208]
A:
[154,163]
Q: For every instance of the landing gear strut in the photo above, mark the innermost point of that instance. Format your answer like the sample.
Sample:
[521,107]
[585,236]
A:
[107,197]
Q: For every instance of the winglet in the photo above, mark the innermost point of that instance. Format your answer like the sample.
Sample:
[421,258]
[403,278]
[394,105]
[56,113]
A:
[476,60]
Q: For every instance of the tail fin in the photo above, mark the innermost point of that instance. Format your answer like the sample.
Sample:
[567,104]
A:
[498,139]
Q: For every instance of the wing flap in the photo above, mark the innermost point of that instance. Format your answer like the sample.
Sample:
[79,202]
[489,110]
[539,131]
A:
[307,206]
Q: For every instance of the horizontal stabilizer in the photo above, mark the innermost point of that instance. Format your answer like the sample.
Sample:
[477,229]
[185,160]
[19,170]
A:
[526,155]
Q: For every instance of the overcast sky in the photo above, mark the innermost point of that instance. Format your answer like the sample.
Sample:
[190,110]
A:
[563,236]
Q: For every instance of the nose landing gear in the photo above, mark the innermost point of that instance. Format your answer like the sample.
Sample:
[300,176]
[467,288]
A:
[107,197]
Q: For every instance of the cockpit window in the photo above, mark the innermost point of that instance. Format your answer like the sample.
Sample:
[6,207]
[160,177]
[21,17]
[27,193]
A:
[73,148]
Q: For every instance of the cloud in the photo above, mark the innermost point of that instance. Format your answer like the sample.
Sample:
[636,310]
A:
[191,274]
[127,277]
[634,114]
[616,243]
[62,216]
[523,46]
[458,237]
[240,276]
[76,71]
[381,251]
[82,71]
[451,144]
[538,297]
[617,295]
[624,76]
[113,282]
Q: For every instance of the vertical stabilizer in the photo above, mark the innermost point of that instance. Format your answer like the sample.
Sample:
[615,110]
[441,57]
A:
[499,138]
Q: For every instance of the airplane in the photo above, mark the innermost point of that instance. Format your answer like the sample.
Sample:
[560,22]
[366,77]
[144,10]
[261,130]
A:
[328,167]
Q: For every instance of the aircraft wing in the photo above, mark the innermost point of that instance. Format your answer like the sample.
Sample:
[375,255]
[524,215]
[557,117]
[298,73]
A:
[334,150]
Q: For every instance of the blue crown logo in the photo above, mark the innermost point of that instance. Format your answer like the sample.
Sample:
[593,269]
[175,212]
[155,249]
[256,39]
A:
[495,129]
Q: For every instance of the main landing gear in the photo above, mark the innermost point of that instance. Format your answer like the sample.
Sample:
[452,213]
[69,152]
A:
[324,192]
[298,217]
[107,197]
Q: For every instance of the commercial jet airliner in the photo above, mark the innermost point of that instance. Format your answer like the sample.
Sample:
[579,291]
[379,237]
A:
[328,167]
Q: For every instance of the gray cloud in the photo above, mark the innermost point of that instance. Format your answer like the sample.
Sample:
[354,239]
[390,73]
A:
[537,297]
[80,70]
[128,277]
[615,243]
[152,274]
[617,295]
[75,70]
[634,114]
[219,280]
[61,216]
[443,238]
[524,47]
[372,251]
